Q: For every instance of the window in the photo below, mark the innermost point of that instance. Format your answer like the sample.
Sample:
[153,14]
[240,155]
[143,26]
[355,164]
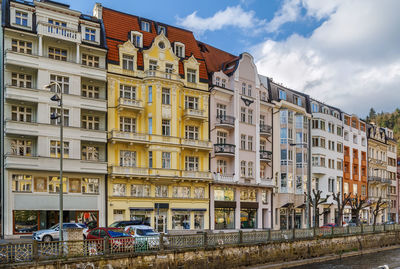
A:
[57,23]
[58,54]
[54,184]
[249,143]
[179,50]
[221,137]
[166,127]
[217,81]
[249,90]
[90,91]
[119,189]
[21,147]
[223,83]
[166,97]
[62,81]
[180,220]
[339,147]
[191,102]
[152,67]
[168,70]
[90,60]
[127,92]
[191,163]
[150,159]
[297,100]
[191,75]
[40,184]
[90,34]
[243,114]
[127,124]
[199,192]
[166,160]
[250,116]
[244,88]
[90,153]
[346,188]
[314,108]
[21,80]
[282,94]
[127,62]
[90,122]
[145,26]
[243,168]
[21,18]
[127,158]
[250,169]
[284,136]
[221,111]
[21,46]
[355,189]
[90,185]
[363,190]
[243,142]
[191,132]
[74,185]
[57,111]
[284,116]
[140,190]
[162,29]
[161,191]
[150,94]
[150,125]
[55,149]
[222,167]
[136,39]
[339,130]
[339,165]
[21,113]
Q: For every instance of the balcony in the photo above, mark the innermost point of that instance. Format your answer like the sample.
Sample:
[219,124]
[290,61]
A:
[224,178]
[265,130]
[53,164]
[196,175]
[224,149]
[58,31]
[117,135]
[161,74]
[267,182]
[225,121]
[128,171]
[379,180]
[195,114]
[22,94]
[195,143]
[164,172]
[265,155]
[132,104]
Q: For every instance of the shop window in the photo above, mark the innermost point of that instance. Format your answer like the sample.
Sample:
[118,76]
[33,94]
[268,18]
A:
[25,221]
[74,185]
[224,194]
[54,184]
[198,221]
[90,185]
[21,183]
[181,220]
[118,214]
[248,218]
[40,184]
[91,219]
[224,218]
[141,216]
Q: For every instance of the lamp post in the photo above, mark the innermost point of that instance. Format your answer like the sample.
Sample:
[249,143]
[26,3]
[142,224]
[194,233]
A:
[58,97]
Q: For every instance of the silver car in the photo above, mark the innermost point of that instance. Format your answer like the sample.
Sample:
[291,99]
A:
[54,232]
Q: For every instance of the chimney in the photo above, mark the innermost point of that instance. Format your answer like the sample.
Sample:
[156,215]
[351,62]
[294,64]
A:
[98,11]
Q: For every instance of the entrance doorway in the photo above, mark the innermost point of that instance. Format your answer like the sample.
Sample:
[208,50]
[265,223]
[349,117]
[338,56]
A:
[161,220]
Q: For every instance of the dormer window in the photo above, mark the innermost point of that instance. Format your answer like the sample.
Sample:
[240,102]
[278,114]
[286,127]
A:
[145,26]
[179,49]
[57,23]
[191,75]
[314,108]
[162,29]
[21,18]
[282,94]
[297,100]
[223,83]
[217,80]
[90,34]
[127,62]
[137,39]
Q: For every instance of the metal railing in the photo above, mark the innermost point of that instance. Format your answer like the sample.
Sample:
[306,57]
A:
[266,155]
[265,129]
[34,251]
[224,148]
[225,120]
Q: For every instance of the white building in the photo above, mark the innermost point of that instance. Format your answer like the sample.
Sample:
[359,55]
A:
[45,41]
[327,157]
[391,173]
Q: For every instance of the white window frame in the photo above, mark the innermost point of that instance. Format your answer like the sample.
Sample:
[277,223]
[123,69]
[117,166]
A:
[140,190]
[191,132]
[21,183]
[90,91]
[21,147]
[166,127]
[137,39]
[90,153]
[90,122]
[191,75]
[57,110]
[191,102]
[55,149]
[90,60]
[90,185]
[20,15]
[179,49]
[127,124]
[127,92]
[191,163]
[90,34]
[128,62]
[119,189]
[21,113]
[145,26]
[63,81]
[166,160]
[166,96]
[127,158]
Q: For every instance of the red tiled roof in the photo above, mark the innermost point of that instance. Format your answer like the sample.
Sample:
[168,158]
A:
[118,25]
[216,59]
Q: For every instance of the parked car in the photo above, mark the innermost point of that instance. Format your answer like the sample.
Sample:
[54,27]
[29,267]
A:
[54,232]
[329,225]
[390,222]
[119,240]
[124,223]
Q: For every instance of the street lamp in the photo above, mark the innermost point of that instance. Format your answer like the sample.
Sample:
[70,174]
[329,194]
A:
[58,97]
[308,210]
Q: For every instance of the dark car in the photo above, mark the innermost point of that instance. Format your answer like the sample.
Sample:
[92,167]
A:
[119,241]
[124,223]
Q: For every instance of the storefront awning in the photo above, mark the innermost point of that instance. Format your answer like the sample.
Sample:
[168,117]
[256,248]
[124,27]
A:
[248,205]
[188,209]
[302,206]
[225,204]
[161,205]
[287,205]
[141,209]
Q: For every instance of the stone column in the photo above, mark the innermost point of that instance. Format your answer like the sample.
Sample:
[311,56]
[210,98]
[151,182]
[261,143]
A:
[212,208]
[40,46]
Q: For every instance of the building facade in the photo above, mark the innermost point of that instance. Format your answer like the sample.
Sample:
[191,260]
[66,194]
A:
[327,157]
[392,174]
[158,150]
[354,163]
[291,142]
[48,43]
[240,130]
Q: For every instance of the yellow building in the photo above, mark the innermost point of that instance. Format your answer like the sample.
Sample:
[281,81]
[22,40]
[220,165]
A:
[158,150]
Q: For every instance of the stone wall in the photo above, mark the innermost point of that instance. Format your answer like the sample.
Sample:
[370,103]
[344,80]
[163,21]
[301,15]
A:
[230,256]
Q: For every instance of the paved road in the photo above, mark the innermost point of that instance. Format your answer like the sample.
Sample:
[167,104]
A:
[390,258]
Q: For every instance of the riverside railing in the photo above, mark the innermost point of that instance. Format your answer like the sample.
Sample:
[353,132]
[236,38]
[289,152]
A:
[37,251]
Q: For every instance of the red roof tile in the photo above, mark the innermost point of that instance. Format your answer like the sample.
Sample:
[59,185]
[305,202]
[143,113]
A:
[118,25]
[216,59]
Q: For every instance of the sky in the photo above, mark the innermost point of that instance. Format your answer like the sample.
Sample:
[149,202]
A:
[345,53]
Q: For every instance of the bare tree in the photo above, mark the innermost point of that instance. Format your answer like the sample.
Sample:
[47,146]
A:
[315,200]
[379,207]
[357,204]
[341,203]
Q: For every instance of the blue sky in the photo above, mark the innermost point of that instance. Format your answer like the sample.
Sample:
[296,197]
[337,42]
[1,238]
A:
[342,52]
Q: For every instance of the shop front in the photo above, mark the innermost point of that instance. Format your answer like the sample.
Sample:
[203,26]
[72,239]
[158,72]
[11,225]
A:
[248,215]
[224,214]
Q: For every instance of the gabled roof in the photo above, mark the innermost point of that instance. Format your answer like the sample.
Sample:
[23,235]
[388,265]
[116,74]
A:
[118,26]
[218,60]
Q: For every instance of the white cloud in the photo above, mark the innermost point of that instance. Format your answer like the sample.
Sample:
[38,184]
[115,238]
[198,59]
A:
[230,17]
[289,12]
[352,60]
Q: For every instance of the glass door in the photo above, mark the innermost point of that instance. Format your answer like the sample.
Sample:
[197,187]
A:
[160,221]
